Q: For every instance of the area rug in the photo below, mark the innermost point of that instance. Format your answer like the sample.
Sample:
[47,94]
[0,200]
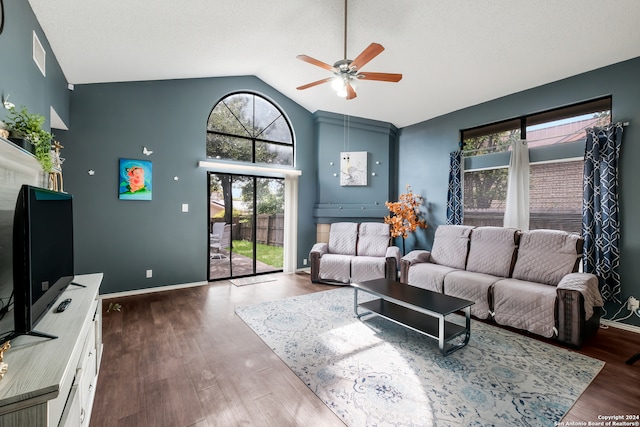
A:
[377,373]
[244,281]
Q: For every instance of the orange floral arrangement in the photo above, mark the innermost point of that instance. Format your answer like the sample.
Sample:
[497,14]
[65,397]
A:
[404,215]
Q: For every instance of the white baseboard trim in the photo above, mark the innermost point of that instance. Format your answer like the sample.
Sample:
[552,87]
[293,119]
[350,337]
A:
[620,325]
[152,290]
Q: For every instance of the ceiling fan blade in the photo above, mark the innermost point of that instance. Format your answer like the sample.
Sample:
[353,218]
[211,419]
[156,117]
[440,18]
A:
[383,77]
[316,83]
[373,50]
[316,62]
[351,93]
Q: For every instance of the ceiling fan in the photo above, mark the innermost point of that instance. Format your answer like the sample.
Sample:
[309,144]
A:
[346,72]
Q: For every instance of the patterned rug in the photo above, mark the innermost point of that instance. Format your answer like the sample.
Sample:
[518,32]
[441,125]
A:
[377,373]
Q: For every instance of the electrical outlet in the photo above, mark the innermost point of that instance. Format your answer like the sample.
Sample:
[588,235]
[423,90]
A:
[149,274]
[304,261]
[633,304]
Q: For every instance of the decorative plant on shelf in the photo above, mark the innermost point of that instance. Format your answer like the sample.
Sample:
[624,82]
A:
[114,306]
[23,124]
[404,215]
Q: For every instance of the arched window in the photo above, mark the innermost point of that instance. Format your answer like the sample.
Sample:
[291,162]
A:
[249,128]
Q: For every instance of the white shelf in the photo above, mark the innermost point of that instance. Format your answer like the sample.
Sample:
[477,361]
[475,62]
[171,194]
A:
[42,372]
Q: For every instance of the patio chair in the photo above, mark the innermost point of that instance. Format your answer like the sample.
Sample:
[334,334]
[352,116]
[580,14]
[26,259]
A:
[217,245]
[216,231]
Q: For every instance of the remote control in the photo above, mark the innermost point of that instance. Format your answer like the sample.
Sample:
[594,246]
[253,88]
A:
[63,305]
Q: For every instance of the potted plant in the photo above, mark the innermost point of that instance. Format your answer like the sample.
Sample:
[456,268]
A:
[404,215]
[27,126]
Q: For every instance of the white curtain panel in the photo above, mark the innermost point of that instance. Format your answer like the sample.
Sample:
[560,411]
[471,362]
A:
[290,223]
[516,214]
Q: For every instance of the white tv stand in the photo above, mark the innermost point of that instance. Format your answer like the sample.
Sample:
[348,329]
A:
[51,382]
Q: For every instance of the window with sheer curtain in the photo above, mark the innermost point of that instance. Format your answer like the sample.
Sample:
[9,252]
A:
[556,150]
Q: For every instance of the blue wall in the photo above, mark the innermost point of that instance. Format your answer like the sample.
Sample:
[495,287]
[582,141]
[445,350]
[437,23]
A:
[358,203]
[125,238]
[20,77]
[424,150]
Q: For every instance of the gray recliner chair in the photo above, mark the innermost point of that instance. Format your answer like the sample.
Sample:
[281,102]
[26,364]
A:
[355,253]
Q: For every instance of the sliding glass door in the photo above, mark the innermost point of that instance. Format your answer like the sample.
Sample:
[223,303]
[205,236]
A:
[246,225]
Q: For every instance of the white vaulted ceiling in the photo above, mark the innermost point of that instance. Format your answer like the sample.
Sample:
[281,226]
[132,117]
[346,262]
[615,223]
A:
[453,54]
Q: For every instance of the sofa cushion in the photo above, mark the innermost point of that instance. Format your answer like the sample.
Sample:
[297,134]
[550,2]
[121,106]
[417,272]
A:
[373,239]
[367,268]
[450,246]
[428,276]
[525,305]
[472,286]
[343,237]
[335,268]
[492,250]
[546,256]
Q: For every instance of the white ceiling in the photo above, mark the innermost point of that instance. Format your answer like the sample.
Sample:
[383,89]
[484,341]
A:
[453,54]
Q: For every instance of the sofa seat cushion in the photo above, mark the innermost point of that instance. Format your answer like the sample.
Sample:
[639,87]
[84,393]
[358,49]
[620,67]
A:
[367,268]
[546,256]
[525,305]
[335,267]
[373,239]
[450,246]
[343,237]
[492,250]
[472,286]
[428,276]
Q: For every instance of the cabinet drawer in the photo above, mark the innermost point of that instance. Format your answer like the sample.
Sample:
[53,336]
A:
[71,414]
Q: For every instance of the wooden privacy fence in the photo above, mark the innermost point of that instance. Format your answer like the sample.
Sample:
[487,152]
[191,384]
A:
[269,228]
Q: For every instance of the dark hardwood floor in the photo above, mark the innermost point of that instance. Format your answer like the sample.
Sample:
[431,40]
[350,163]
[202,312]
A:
[183,358]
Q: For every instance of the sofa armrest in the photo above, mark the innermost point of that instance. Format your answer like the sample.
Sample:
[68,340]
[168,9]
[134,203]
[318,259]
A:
[579,308]
[587,285]
[394,252]
[417,256]
[414,257]
[319,248]
[392,263]
[315,254]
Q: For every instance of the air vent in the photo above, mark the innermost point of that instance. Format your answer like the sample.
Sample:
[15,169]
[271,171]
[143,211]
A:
[39,54]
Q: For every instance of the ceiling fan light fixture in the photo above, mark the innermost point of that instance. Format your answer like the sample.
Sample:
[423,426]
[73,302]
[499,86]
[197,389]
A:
[341,82]
[338,84]
[346,71]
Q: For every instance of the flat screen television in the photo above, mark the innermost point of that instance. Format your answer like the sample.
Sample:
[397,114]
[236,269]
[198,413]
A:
[42,255]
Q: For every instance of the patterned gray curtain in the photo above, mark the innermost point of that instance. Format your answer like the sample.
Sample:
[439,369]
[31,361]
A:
[455,211]
[600,224]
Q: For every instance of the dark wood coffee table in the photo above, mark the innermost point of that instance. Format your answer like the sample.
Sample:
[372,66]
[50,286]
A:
[418,309]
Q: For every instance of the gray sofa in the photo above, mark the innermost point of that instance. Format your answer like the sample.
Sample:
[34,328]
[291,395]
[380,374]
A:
[355,252]
[525,280]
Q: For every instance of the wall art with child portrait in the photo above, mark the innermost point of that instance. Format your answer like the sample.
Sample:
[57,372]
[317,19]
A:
[135,180]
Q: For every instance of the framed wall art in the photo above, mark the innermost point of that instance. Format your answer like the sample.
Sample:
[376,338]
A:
[135,180]
[353,168]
